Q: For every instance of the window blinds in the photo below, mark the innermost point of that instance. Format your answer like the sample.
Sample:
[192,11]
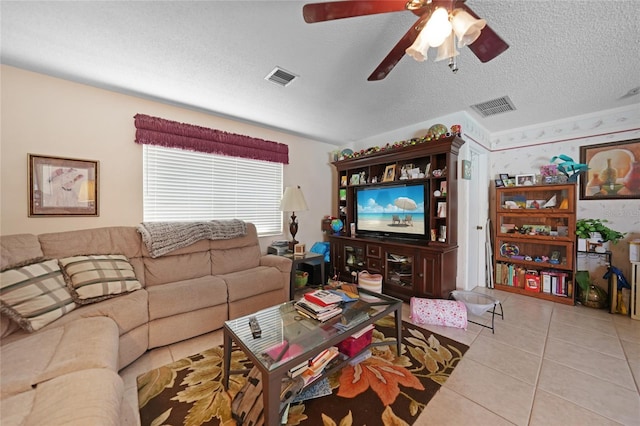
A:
[184,185]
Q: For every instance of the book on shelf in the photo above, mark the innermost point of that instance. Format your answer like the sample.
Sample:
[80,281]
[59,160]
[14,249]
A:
[363,331]
[298,369]
[323,297]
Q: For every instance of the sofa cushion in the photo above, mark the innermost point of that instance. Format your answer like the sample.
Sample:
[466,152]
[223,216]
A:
[194,294]
[128,311]
[88,397]
[252,282]
[109,240]
[99,277]
[35,295]
[18,248]
[79,345]
[178,266]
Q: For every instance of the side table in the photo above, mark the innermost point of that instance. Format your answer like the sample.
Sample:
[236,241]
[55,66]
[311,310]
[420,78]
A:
[308,258]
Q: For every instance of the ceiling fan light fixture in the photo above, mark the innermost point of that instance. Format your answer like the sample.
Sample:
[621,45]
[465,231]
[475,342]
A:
[466,27]
[418,50]
[438,27]
[416,4]
[447,49]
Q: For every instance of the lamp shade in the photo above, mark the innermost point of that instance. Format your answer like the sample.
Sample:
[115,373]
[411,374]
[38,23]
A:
[438,27]
[293,200]
[447,49]
[418,50]
[466,27]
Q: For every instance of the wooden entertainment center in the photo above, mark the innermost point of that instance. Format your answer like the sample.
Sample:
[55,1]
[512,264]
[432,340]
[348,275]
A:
[421,265]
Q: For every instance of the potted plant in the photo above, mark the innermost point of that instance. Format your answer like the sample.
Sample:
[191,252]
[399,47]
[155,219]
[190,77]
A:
[595,234]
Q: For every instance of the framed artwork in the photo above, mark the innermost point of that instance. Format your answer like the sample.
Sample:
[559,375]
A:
[389,173]
[614,170]
[355,179]
[504,177]
[525,180]
[499,183]
[62,186]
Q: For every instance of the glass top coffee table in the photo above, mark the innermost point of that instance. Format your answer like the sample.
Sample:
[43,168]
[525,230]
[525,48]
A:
[288,338]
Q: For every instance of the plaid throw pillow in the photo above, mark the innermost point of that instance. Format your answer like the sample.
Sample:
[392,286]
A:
[35,295]
[99,277]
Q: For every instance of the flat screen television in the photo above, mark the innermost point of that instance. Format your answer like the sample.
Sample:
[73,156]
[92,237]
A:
[393,211]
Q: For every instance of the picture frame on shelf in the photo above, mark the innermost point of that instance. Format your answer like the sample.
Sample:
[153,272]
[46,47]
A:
[613,170]
[549,170]
[343,180]
[499,183]
[509,182]
[525,180]
[62,186]
[504,177]
[355,179]
[389,173]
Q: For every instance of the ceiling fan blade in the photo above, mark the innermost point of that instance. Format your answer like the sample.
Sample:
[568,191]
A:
[398,51]
[489,44]
[328,11]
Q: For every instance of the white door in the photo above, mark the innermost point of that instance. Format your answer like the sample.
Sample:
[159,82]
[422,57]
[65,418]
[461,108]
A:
[479,212]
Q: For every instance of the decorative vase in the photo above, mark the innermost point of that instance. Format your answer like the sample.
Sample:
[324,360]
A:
[595,297]
[632,179]
[609,174]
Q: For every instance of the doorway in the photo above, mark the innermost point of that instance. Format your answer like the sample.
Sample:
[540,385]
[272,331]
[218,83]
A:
[478,202]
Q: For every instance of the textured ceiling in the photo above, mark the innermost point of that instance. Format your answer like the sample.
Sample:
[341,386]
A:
[566,58]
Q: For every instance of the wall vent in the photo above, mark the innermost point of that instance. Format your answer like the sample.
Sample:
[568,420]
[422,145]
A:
[495,106]
[280,77]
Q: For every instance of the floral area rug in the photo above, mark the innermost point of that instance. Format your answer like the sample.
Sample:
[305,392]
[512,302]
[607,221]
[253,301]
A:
[386,389]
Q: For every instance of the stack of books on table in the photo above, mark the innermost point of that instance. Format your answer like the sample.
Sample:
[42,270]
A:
[320,305]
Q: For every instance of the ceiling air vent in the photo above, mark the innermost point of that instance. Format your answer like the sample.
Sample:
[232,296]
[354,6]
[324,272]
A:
[495,106]
[280,77]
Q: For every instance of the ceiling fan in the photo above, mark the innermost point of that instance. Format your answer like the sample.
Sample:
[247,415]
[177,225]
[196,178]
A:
[481,39]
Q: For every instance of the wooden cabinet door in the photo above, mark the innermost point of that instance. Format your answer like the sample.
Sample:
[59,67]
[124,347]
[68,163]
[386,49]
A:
[428,276]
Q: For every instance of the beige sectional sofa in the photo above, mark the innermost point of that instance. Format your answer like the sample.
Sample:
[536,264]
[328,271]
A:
[66,372]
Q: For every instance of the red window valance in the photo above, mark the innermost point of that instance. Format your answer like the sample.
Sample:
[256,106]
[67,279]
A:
[158,131]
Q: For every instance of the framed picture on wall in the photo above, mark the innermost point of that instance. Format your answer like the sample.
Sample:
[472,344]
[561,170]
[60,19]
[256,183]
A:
[614,170]
[62,186]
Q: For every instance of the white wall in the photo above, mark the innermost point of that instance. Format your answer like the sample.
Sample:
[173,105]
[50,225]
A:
[51,116]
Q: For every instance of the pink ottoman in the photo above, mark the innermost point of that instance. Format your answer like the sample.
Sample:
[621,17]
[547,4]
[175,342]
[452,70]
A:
[448,313]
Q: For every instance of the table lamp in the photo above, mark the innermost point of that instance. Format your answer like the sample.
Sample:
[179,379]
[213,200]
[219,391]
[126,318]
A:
[292,201]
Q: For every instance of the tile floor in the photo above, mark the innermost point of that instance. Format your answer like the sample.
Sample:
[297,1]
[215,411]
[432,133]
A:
[546,364]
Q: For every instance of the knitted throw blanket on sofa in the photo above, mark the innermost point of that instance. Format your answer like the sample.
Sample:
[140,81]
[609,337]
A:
[164,237]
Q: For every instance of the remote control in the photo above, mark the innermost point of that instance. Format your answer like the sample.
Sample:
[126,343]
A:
[255,327]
